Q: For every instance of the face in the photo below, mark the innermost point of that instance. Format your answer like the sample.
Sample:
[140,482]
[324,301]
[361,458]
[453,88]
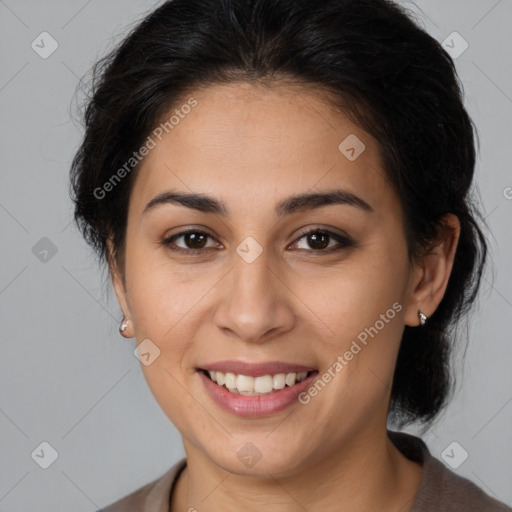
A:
[250,285]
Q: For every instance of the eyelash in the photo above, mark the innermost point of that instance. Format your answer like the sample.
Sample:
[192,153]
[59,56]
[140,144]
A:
[343,240]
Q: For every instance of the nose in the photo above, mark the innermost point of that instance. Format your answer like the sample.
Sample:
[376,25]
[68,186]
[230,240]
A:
[256,304]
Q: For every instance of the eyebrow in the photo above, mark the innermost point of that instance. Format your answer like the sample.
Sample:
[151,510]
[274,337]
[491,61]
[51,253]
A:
[292,204]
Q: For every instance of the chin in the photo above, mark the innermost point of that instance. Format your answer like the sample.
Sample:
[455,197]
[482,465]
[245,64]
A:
[254,459]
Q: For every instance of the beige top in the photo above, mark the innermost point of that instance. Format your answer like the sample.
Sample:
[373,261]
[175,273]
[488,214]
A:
[440,490]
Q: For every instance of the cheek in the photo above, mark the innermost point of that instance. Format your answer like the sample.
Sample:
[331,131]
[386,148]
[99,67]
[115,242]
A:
[160,295]
[361,308]
[353,297]
[169,390]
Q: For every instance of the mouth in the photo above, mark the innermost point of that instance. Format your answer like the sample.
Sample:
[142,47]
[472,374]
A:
[261,385]
[251,390]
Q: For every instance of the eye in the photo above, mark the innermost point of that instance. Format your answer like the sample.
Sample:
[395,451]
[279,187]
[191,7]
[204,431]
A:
[319,240]
[194,240]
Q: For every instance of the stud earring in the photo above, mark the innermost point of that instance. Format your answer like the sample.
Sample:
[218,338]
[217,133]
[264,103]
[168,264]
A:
[422,317]
[123,326]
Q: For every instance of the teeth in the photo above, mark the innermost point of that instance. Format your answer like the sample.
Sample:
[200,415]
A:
[263,384]
[279,381]
[244,383]
[290,379]
[229,380]
[250,386]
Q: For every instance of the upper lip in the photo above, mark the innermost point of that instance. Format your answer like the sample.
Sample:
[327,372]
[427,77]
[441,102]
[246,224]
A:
[255,369]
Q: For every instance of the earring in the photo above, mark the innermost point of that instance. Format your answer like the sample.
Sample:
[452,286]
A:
[123,326]
[422,317]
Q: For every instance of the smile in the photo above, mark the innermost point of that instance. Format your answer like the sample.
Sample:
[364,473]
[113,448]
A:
[255,386]
[254,390]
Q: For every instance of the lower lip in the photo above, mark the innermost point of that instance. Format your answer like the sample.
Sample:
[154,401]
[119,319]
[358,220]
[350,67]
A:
[259,405]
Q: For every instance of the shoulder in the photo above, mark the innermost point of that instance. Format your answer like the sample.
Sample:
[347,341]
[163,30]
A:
[459,492]
[151,497]
[441,489]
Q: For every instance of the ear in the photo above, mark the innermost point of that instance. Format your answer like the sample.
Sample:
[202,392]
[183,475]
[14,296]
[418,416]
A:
[430,278]
[118,281]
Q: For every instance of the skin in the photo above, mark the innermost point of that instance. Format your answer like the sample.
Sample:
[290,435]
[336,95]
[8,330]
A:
[251,147]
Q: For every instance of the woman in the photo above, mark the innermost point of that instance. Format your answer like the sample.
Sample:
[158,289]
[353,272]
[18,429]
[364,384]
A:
[280,190]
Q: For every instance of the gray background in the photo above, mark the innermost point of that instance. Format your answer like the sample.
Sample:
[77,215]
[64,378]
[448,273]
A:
[68,378]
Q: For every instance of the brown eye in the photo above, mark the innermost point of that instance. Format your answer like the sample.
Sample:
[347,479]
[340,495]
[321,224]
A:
[193,240]
[323,241]
[318,240]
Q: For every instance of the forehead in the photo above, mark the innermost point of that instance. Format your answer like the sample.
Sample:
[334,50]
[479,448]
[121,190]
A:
[248,143]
